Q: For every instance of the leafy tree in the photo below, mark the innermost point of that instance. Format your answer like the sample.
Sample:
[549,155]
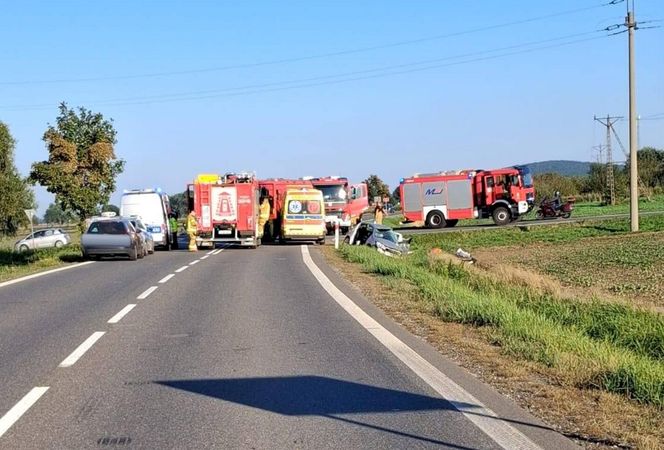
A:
[377,188]
[546,184]
[595,183]
[55,214]
[179,204]
[396,196]
[82,167]
[16,193]
[111,208]
[650,163]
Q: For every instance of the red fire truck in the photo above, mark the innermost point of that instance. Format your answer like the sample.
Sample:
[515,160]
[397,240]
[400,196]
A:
[226,209]
[343,202]
[275,190]
[440,199]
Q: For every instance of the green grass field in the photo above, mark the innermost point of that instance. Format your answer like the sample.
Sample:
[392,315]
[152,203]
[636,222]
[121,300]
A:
[14,264]
[527,235]
[592,343]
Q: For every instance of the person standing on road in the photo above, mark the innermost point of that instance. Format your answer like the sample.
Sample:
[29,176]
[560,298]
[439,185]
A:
[192,228]
[379,212]
[173,222]
[264,216]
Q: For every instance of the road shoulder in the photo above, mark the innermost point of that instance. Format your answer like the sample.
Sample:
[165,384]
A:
[505,408]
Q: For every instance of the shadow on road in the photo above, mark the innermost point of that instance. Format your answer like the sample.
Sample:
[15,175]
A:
[327,397]
[310,395]
[317,396]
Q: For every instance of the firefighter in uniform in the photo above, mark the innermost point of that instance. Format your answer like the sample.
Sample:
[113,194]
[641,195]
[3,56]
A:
[379,211]
[192,227]
[264,215]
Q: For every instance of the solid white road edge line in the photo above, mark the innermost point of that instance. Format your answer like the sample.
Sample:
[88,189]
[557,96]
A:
[181,269]
[166,278]
[194,263]
[41,274]
[486,420]
[80,351]
[123,312]
[20,408]
[147,292]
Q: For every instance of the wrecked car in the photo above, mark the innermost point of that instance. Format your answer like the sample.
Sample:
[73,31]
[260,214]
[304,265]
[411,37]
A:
[381,237]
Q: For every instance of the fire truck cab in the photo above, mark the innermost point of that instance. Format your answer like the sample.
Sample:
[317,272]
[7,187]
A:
[226,209]
[441,199]
[344,203]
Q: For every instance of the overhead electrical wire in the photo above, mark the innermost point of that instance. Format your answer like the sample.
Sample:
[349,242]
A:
[311,57]
[384,71]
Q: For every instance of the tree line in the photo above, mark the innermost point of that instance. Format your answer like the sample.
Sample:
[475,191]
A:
[594,187]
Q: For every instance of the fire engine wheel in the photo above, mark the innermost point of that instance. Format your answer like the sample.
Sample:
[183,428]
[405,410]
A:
[501,216]
[435,219]
[452,222]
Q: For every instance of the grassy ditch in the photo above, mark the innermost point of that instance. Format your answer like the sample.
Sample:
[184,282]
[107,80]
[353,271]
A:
[15,264]
[589,344]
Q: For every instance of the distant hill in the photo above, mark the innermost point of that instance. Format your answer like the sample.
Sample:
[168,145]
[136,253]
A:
[566,168]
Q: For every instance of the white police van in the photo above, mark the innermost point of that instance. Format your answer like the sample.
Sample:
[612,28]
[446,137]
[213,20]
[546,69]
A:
[153,207]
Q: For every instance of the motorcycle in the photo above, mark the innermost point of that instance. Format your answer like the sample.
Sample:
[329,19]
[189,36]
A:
[548,209]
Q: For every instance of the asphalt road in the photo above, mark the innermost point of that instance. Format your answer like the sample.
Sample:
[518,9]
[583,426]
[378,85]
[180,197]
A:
[263,348]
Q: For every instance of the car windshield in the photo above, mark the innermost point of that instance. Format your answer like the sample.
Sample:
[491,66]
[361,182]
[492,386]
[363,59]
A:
[107,227]
[387,234]
[333,192]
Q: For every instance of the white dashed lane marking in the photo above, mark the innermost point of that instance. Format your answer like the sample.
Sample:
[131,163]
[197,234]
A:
[146,293]
[20,408]
[80,351]
[123,312]
[166,278]
[182,269]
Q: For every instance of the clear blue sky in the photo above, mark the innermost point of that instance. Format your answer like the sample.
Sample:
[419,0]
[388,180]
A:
[492,112]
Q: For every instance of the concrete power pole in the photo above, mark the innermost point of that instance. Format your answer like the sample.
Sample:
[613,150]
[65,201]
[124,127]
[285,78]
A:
[610,179]
[630,23]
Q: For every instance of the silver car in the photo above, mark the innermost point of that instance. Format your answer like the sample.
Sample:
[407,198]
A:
[112,237]
[51,237]
[148,240]
[381,237]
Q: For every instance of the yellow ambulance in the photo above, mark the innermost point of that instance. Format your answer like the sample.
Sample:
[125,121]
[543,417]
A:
[303,215]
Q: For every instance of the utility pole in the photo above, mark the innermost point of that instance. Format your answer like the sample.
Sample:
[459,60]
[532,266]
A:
[610,179]
[630,23]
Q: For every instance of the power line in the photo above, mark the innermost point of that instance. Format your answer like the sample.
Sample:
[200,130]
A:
[317,81]
[318,56]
